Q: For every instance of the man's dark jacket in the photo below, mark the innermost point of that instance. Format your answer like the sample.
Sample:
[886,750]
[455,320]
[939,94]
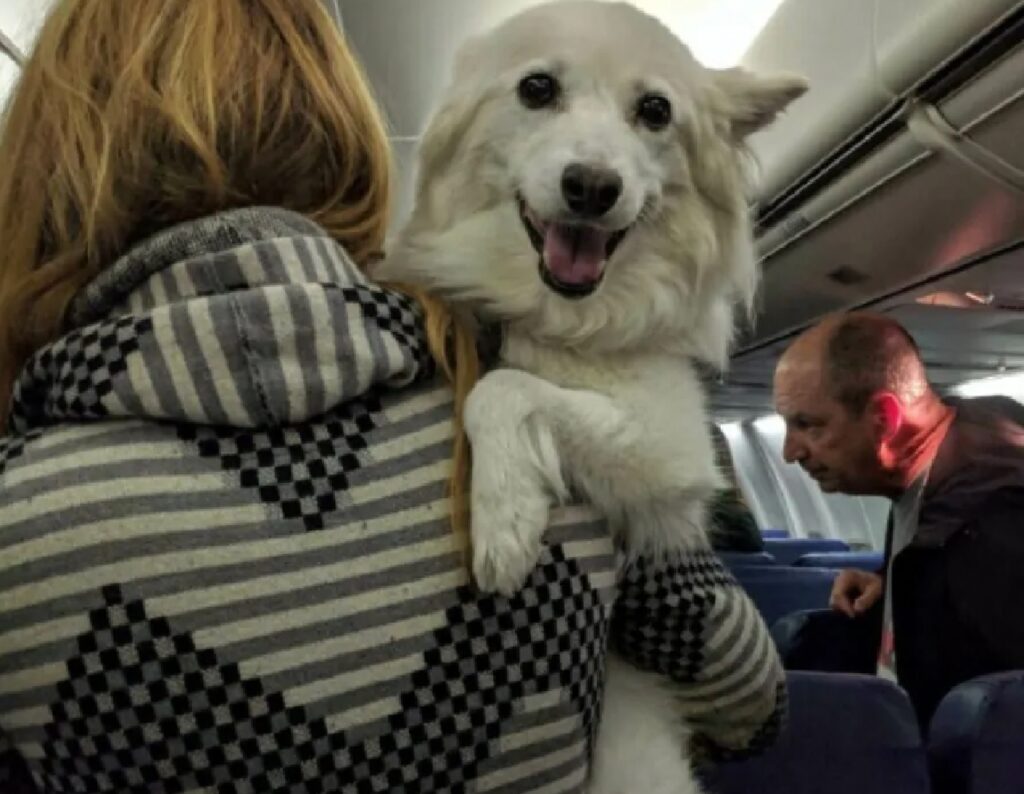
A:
[958,587]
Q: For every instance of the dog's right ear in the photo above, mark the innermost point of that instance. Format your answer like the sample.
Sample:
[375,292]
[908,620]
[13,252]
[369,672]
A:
[450,122]
[442,136]
[752,101]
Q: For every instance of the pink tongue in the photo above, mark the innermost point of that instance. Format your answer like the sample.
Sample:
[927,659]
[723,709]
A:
[574,254]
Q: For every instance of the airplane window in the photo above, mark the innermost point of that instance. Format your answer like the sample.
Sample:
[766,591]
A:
[1009,385]
[783,496]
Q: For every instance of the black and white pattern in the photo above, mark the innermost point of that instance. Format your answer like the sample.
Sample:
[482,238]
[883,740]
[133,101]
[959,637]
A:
[13,447]
[662,614]
[71,378]
[304,469]
[188,448]
[762,739]
[492,653]
[677,620]
[143,709]
[396,314]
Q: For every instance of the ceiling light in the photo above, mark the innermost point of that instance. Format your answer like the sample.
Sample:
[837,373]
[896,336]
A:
[718,31]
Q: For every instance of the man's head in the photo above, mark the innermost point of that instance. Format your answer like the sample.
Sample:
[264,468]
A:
[849,390]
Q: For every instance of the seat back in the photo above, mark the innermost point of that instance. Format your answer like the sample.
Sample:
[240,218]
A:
[863,560]
[976,737]
[824,640]
[846,734]
[789,550]
[736,559]
[779,590]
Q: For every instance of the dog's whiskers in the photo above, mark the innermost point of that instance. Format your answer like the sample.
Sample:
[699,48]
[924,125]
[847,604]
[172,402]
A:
[646,213]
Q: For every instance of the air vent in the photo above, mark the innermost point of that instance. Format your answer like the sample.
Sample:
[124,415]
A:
[1012,303]
[848,276]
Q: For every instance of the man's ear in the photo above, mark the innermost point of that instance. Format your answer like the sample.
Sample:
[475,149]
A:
[886,416]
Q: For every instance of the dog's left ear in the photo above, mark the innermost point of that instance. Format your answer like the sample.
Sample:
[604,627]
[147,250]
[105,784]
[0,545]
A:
[751,101]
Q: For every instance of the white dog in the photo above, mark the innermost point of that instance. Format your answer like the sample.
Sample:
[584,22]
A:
[584,185]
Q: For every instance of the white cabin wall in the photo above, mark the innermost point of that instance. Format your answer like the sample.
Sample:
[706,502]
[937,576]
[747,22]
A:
[20,21]
[9,72]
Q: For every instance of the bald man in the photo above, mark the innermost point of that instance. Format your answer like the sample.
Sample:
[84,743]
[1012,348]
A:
[861,418]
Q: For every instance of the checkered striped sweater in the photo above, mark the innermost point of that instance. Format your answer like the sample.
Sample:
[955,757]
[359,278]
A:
[225,563]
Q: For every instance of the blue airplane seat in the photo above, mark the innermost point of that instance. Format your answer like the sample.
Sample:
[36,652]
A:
[846,734]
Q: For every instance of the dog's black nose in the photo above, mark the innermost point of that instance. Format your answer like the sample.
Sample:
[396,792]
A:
[590,191]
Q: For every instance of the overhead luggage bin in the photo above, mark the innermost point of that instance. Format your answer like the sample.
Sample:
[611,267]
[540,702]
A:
[900,165]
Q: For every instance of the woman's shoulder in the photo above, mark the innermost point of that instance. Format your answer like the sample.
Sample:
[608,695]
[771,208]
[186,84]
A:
[384,432]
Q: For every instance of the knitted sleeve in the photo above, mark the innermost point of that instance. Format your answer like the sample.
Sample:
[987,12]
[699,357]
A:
[6,758]
[691,621]
[14,778]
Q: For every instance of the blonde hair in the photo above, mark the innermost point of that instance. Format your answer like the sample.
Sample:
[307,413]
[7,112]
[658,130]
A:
[134,115]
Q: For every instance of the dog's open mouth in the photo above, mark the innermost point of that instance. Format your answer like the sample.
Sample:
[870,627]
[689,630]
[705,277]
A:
[572,256]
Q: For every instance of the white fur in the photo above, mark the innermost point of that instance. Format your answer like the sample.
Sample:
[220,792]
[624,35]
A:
[599,395]
[640,745]
[607,428]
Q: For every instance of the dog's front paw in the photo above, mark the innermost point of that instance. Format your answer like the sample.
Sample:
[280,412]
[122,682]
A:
[515,473]
[508,528]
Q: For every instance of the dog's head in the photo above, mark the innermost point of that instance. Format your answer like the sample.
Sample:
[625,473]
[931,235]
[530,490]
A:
[583,181]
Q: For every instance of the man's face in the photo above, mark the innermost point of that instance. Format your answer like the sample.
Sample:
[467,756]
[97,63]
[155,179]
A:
[834,446]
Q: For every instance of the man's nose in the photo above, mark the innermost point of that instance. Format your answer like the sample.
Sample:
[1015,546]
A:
[792,450]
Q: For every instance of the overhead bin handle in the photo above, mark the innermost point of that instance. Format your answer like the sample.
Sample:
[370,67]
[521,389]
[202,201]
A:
[931,129]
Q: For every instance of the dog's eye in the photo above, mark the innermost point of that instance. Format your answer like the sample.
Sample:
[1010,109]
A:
[538,90]
[654,111]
